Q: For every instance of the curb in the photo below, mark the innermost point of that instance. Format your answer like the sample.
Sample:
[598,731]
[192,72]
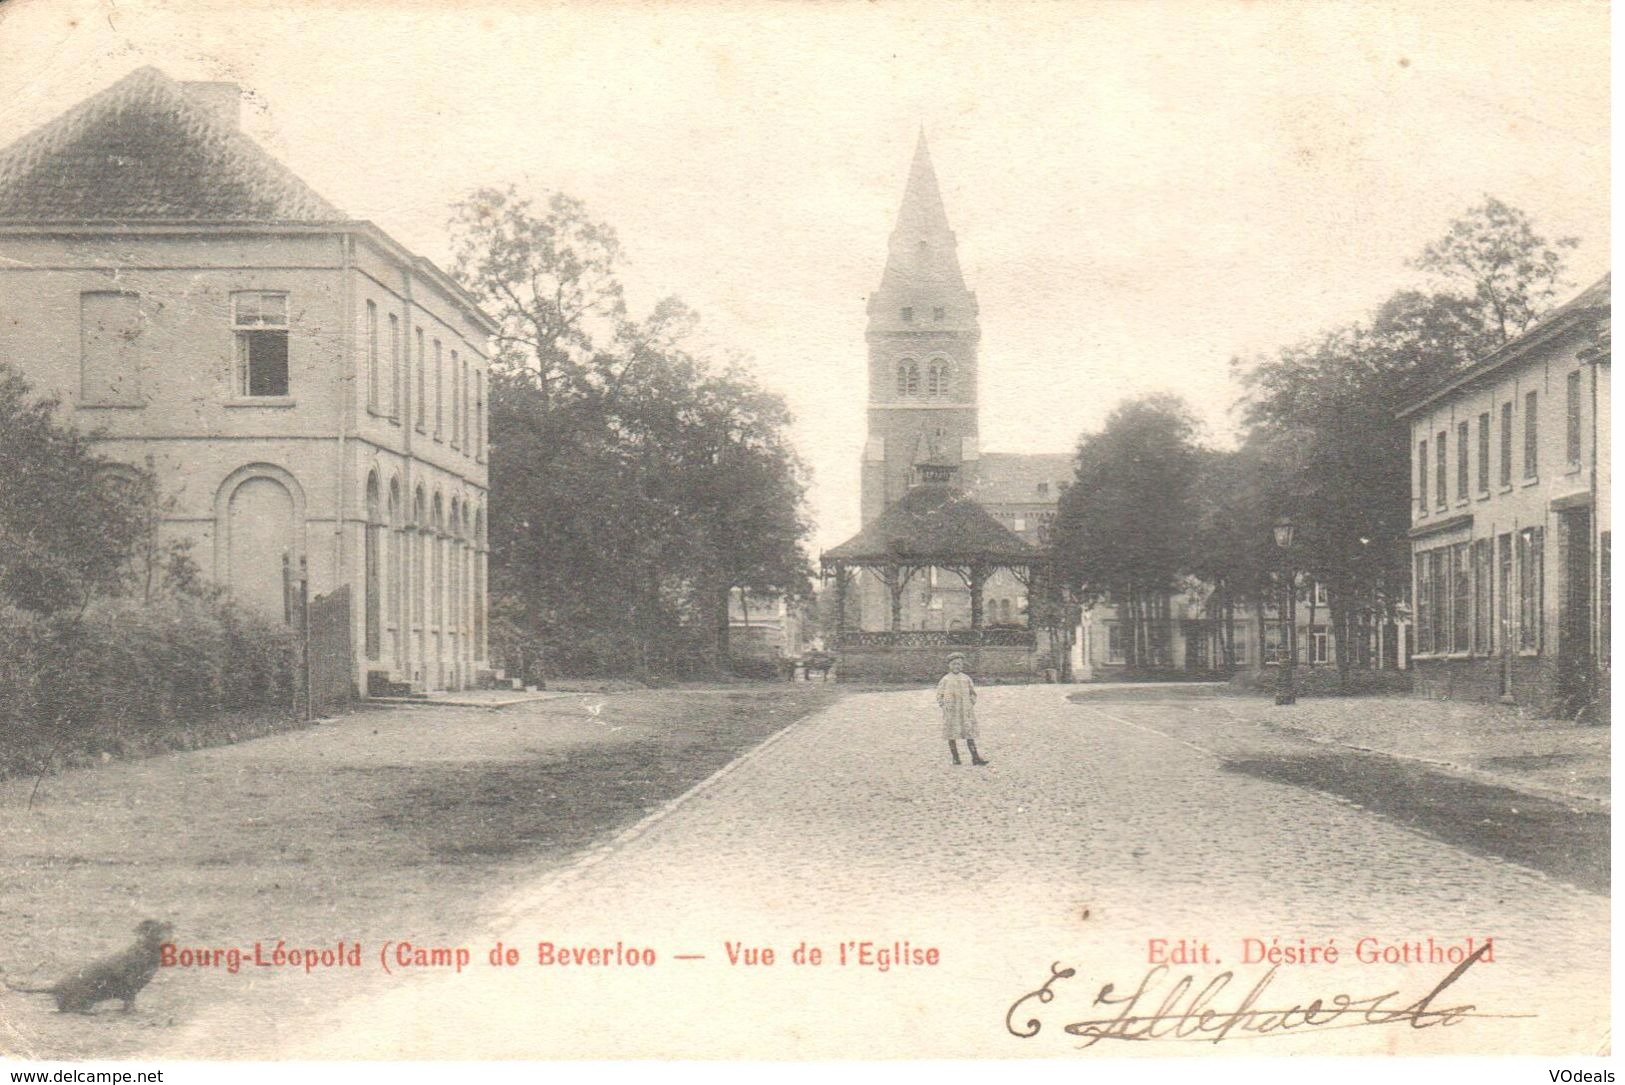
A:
[452,702]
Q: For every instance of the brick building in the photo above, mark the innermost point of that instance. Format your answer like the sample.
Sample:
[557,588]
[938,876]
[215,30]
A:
[302,384]
[1510,519]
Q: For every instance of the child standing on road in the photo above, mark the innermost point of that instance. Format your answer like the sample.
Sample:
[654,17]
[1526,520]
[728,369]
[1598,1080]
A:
[956,696]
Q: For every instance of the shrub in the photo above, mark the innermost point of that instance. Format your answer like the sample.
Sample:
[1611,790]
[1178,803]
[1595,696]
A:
[758,667]
[122,678]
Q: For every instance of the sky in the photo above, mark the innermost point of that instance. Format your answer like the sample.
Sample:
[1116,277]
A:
[1141,192]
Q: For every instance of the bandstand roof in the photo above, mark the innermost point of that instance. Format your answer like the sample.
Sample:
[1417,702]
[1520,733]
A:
[934,524]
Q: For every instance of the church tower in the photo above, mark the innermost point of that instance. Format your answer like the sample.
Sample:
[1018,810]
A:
[923,335]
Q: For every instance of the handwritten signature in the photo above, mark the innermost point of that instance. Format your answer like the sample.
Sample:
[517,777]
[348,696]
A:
[1184,1011]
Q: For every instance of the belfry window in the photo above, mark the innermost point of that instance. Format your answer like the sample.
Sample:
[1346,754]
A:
[908,377]
[908,314]
[936,382]
[260,321]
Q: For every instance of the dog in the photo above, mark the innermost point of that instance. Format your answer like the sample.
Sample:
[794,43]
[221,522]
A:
[120,976]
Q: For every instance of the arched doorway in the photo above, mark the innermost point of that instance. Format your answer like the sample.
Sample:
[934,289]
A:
[259,517]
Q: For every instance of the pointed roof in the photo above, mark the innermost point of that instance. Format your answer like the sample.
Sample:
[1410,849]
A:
[922,213]
[934,524]
[923,247]
[148,149]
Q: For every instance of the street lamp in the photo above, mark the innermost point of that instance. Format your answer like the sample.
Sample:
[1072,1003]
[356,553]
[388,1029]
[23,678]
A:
[1286,690]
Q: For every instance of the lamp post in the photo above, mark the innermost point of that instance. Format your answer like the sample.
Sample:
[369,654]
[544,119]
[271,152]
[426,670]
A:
[1286,690]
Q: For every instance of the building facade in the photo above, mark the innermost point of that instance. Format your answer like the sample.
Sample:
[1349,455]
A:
[304,387]
[764,626]
[1510,519]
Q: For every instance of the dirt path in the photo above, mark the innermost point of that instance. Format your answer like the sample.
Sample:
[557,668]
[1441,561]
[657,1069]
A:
[403,823]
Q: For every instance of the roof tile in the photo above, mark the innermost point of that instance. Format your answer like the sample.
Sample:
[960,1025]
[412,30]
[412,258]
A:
[145,150]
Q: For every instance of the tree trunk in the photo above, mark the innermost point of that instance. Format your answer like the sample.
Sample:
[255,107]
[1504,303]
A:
[724,647]
[1343,624]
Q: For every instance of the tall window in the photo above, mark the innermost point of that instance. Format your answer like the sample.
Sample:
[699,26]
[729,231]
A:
[1506,444]
[1530,588]
[375,379]
[260,322]
[1503,591]
[1461,461]
[110,347]
[439,390]
[1439,569]
[1461,599]
[395,388]
[1484,453]
[1441,467]
[1114,642]
[1275,646]
[1422,477]
[936,383]
[1483,597]
[479,414]
[1320,643]
[1574,441]
[1424,604]
[1531,437]
[456,400]
[423,386]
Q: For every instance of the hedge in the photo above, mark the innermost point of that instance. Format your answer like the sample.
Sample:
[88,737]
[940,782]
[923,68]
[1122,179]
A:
[122,679]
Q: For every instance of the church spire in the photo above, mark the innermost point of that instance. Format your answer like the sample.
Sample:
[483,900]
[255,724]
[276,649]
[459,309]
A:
[922,212]
[923,334]
[923,256]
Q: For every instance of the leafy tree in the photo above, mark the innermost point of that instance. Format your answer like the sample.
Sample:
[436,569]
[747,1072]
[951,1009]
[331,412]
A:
[1321,414]
[1233,540]
[549,278]
[1513,273]
[1124,528]
[66,533]
[635,481]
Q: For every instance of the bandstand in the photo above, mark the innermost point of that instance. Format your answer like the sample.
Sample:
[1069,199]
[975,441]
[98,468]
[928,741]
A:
[934,526]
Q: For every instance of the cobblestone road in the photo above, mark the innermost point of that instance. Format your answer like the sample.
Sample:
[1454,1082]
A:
[1099,827]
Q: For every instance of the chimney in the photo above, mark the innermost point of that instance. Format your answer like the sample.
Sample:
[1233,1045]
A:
[222,101]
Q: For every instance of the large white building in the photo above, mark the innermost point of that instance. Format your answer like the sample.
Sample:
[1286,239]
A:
[303,385]
[1510,527]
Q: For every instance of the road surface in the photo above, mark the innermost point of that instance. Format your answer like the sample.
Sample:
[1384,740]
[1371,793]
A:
[1105,837]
